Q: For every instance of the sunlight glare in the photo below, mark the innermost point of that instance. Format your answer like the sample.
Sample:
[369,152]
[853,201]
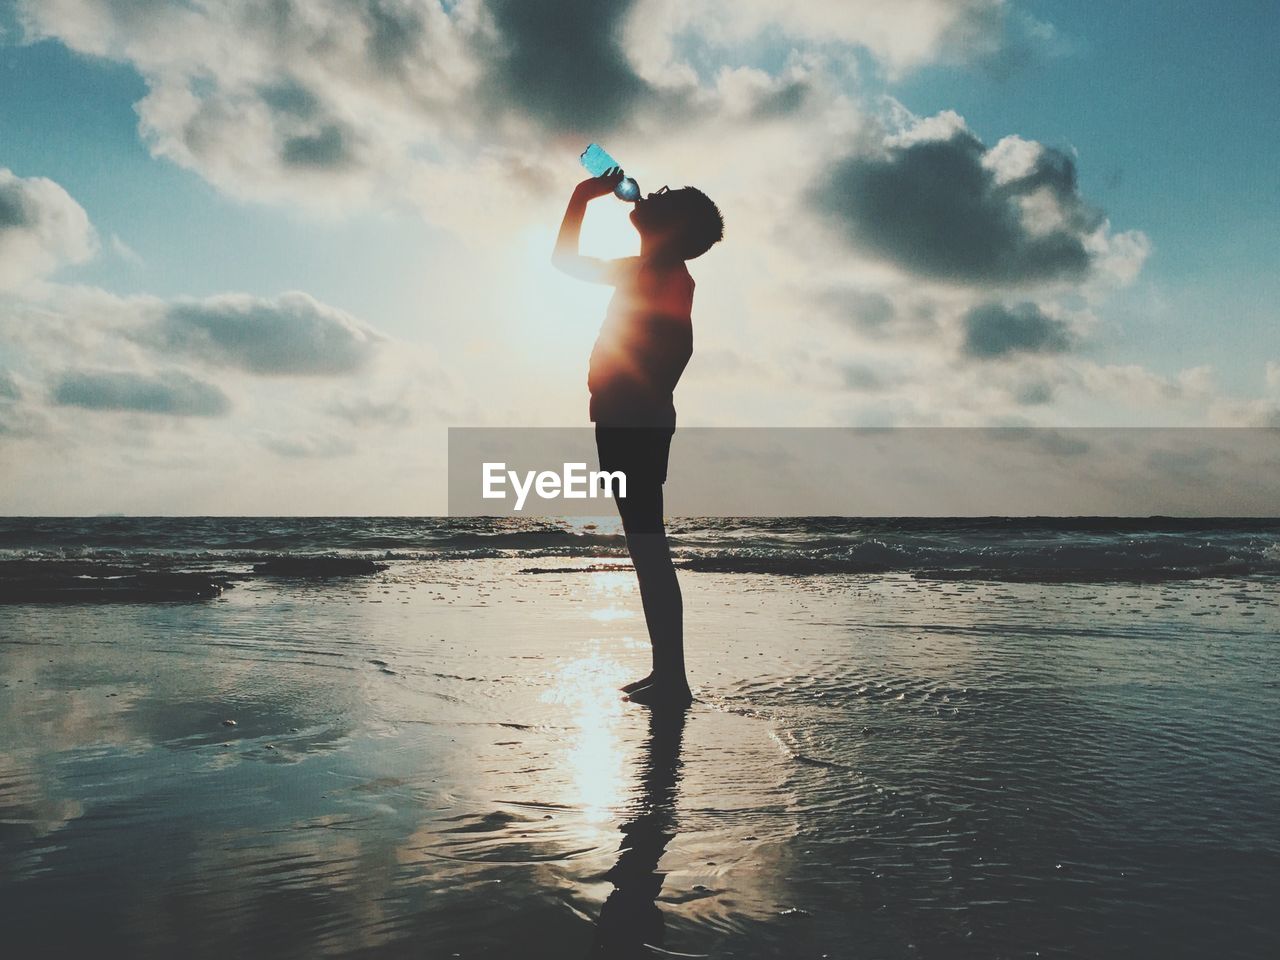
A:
[589,688]
[611,583]
[607,231]
[610,614]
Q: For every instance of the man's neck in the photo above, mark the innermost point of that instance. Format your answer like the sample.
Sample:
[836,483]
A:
[654,255]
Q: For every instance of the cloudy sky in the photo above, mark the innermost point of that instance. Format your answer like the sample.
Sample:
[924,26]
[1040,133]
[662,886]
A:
[257,255]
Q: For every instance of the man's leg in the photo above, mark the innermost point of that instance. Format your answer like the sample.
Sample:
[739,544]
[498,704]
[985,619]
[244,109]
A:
[641,512]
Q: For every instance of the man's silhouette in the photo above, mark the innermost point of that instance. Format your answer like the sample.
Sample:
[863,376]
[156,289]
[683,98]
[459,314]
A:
[643,347]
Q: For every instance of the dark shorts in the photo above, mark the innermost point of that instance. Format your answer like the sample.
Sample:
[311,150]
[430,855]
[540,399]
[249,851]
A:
[639,452]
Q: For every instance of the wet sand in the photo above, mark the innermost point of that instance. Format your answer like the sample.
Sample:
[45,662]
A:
[434,762]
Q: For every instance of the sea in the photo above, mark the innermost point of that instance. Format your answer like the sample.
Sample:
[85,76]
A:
[912,738]
[1070,549]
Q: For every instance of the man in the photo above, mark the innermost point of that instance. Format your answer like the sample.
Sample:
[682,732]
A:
[644,344]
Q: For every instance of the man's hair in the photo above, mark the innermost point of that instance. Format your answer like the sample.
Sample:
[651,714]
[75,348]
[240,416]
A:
[701,223]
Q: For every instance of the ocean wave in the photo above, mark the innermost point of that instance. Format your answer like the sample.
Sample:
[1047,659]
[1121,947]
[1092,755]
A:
[1073,549]
[800,566]
[1099,559]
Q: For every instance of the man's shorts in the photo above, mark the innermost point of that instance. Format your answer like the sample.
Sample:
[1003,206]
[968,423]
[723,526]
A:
[639,452]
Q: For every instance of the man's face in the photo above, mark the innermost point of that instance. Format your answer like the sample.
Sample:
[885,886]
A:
[649,212]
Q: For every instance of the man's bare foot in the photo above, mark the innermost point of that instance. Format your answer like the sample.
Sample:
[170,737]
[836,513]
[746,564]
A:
[637,684]
[662,694]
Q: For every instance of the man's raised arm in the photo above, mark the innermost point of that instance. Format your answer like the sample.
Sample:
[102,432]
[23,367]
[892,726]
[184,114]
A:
[566,257]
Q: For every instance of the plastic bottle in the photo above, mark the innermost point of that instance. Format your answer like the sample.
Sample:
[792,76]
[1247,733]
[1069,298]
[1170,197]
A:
[597,161]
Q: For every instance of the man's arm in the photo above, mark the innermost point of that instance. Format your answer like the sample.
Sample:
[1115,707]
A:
[566,257]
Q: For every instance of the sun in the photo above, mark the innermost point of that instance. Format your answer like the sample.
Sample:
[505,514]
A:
[566,312]
[607,231]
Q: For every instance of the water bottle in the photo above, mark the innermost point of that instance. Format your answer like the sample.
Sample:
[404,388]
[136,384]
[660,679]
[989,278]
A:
[597,161]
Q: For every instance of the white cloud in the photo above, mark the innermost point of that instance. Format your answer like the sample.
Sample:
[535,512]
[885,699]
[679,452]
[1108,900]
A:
[292,334]
[125,252]
[1272,374]
[901,35]
[41,229]
[1130,381]
[318,102]
[309,446]
[909,130]
[363,411]
[147,427]
[333,102]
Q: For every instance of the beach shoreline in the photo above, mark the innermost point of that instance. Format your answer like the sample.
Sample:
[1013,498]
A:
[434,760]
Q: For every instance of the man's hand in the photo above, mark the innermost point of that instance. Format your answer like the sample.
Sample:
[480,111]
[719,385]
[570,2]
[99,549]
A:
[599,186]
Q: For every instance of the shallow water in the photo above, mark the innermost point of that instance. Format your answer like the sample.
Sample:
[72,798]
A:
[1045,549]
[434,762]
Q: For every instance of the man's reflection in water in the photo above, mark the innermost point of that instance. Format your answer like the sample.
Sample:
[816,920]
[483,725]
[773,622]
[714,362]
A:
[630,918]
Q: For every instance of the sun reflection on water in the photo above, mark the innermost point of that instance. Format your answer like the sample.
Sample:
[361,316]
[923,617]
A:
[608,585]
[588,688]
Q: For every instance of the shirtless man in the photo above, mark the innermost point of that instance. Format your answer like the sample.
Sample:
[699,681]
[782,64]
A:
[644,344]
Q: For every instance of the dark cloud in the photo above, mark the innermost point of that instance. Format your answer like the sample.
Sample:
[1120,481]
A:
[1200,466]
[859,376]
[171,393]
[290,97]
[934,208]
[15,208]
[1061,444]
[325,150]
[308,447]
[253,93]
[1056,443]
[8,388]
[292,334]
[326,146]
[395,33]
[868,312]
[363,412]
[783,101]
[994,330]
[564,63]
[390,32]
[1034,394]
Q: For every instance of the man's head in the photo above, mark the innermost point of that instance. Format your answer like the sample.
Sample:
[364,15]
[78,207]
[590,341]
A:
[684,222]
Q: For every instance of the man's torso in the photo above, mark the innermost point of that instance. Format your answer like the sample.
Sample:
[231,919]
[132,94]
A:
[644,344]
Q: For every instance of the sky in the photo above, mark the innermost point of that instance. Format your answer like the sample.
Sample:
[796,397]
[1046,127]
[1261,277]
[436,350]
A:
[256,256]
